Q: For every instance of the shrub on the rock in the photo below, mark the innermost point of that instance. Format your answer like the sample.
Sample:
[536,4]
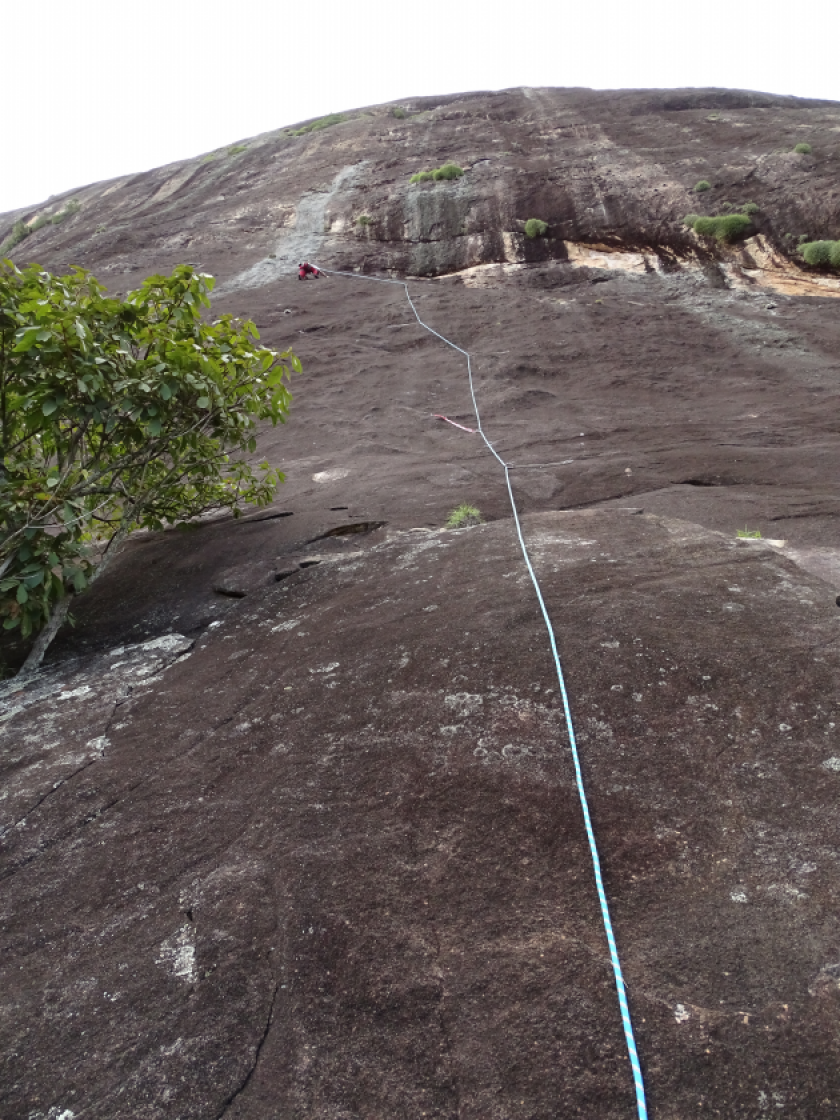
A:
[803,149]
[20,231]
[726,227]
[463,516]
[703,185]
[322,122]
[535,228]
[447,171]
[826,253]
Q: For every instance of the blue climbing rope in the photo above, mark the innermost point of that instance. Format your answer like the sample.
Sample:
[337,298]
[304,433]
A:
[621,989]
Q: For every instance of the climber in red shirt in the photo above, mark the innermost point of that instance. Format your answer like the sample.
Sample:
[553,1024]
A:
[306,269]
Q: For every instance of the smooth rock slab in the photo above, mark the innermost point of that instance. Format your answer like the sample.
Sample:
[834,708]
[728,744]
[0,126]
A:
[338,868]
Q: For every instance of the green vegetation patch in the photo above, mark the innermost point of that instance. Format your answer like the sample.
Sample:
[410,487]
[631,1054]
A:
[703,185]
[464,516]
[821,253]
[72,207]
[364,220]
[119,415]
[399,113]
[750,534]
[535,228]
[446,172]
[725,227]
[236,149]
[322,122]
[20,230]
[803,149]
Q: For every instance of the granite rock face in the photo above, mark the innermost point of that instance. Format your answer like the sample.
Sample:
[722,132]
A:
[603,169]
[288,821]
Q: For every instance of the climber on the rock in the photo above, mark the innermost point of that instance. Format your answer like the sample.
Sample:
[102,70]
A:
[306,269]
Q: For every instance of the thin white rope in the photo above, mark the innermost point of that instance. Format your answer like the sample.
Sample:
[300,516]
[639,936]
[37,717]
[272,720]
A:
[621,989]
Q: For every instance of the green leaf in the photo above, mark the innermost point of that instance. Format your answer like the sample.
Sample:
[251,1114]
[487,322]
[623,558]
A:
[126,427]
[22,594]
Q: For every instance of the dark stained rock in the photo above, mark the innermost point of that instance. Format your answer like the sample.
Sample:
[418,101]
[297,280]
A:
[317,852]
[332,862]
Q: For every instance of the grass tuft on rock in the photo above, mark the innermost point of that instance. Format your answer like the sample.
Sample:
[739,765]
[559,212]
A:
[446,172]
[464,516]
[750,534]
[20,230]
[703,185]
[535,228]
[726,227]
[322,122]
[803,149]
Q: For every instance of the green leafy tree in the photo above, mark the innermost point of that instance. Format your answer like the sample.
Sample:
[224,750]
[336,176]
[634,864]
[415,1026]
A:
[115,415]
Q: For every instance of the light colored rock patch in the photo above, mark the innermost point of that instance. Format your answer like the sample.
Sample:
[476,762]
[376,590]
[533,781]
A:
[301,241]
[332,475]
[600,256]
[177,954]
[464,704]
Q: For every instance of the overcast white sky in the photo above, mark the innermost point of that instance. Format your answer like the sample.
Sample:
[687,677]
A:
[98,88]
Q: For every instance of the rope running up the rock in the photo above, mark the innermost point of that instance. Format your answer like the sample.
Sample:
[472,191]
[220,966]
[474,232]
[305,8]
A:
[593,847]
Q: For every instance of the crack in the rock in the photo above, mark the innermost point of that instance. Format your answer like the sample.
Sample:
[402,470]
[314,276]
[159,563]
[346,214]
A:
[243,1085]
[63,781]
[13,870]
[45,847]
[53,789]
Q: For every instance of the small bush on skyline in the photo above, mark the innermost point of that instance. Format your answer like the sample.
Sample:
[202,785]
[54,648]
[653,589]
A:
[322,122]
